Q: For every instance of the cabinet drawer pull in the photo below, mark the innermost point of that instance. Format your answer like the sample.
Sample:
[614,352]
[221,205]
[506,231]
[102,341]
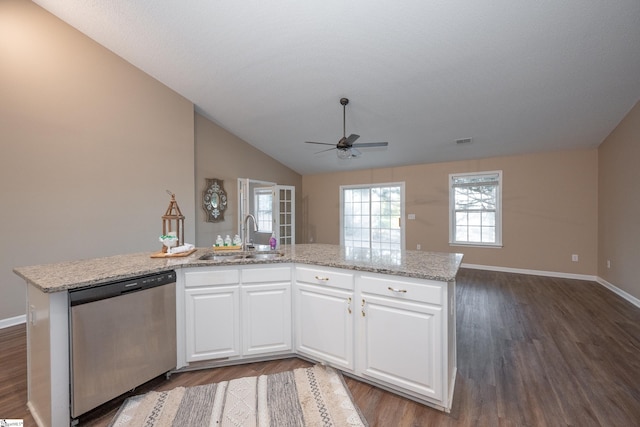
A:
[324,279]
[403,291]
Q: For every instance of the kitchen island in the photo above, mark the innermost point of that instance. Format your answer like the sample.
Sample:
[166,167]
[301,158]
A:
[409,290]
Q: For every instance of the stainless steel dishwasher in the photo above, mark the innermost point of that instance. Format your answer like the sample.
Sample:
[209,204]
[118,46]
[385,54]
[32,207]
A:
[123,334]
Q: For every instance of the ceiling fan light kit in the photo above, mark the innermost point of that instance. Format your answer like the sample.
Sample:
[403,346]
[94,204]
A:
[346,148]
[344,154]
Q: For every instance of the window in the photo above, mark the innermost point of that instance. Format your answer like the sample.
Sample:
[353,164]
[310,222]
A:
[263,198]
[475,208]
[370,216]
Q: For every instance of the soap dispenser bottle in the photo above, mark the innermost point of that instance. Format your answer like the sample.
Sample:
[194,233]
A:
[219,241]
[272,241]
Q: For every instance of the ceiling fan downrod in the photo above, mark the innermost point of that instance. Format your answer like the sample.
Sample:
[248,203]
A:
[344,102]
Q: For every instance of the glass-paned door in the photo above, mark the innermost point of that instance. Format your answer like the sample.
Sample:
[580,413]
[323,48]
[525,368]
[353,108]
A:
[272,205]
[284,207]
[371,216]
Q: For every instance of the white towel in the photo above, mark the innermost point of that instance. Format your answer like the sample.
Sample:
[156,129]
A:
[184,248]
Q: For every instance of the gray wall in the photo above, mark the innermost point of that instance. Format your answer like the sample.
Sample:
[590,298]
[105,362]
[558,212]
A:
[619,205]
[89,146]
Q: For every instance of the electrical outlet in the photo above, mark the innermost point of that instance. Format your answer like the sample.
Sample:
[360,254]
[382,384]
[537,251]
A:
[608,263]
[418,246]
[411,216]
[574,257]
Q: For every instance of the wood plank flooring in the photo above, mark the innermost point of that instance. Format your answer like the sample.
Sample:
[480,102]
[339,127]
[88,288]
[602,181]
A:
[532,351]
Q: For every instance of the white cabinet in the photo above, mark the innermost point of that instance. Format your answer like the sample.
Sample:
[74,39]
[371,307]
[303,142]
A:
[266,310]
[233,313]
[324,315]
[394,332]
[212,314]
[402,335]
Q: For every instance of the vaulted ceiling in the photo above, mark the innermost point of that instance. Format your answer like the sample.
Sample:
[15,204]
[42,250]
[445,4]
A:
[516,77]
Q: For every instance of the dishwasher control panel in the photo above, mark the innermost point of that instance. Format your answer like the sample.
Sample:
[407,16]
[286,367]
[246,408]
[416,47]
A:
[114,289]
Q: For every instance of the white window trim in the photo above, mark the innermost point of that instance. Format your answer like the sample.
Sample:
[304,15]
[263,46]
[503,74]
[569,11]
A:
[384,184]
[452,241]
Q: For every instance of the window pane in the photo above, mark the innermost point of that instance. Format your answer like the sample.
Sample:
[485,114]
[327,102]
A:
[375,195]
[348,208]
[489,197]
[461,198]
[358,208]
[488,234]
[396,194]
[461,234]
[461,218]
[475,234]
[264,209]
[488,218]
[475,218]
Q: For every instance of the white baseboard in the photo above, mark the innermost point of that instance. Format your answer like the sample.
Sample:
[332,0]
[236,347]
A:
[13,321]
[633,300]
[532,272]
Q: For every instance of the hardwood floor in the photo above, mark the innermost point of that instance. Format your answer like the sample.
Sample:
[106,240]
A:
[532,351]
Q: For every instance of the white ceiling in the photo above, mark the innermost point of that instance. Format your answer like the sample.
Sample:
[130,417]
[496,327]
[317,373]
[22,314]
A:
[517,77]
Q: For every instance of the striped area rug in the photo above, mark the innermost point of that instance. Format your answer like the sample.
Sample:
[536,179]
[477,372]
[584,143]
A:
[316,396]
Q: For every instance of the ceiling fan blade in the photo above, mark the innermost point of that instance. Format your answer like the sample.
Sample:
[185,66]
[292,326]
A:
[322,151]
[351,138]
[370,144]
[355,152]
[321,143]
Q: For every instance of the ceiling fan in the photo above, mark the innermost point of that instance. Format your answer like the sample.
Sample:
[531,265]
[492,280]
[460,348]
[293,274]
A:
[346,148]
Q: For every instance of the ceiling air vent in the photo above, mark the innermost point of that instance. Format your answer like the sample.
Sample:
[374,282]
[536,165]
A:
[464,140]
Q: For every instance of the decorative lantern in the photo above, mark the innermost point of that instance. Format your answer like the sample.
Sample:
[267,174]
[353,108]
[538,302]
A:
[173,222]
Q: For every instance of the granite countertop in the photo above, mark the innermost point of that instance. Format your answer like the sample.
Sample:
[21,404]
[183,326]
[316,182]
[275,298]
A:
[76,274]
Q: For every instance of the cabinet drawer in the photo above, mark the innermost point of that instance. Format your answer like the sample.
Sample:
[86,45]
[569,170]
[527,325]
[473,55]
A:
[407,289]
[211,277]
[326,277]
[266,275]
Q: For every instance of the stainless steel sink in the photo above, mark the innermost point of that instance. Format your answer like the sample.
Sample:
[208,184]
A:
[220,257]
[267,255]
[238,256]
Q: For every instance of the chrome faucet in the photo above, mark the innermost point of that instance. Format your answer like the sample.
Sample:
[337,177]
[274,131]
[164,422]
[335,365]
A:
[246,232]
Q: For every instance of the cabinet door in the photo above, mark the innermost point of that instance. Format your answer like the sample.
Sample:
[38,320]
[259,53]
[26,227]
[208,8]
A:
[212,322]
[401,344]
[266,315]
[324,324]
